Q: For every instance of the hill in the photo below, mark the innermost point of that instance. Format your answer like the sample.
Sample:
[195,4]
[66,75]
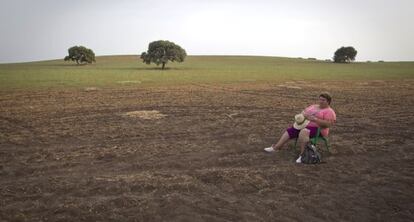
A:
[112,71]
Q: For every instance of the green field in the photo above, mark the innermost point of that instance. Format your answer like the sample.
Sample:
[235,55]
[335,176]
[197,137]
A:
[110,71]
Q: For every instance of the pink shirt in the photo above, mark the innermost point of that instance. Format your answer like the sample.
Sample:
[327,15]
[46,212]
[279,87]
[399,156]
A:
[325,114]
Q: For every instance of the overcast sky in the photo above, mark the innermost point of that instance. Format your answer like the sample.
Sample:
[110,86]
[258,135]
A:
[45,29]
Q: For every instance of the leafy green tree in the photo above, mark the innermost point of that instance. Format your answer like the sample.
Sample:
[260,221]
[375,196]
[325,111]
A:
[160,52]
[345,54]
[80,54]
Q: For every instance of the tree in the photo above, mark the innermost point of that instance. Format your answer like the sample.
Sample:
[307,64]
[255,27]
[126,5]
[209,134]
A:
[345,54]
[160,52]
[80,54]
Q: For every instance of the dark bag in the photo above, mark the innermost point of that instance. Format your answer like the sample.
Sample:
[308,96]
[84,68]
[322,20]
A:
[311,155]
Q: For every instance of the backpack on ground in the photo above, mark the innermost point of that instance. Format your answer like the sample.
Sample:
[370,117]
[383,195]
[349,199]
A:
[311,155]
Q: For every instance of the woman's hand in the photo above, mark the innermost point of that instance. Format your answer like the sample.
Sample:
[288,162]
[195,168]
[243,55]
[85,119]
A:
[309,117]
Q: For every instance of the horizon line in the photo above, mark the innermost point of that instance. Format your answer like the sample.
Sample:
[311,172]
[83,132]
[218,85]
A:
[218,55]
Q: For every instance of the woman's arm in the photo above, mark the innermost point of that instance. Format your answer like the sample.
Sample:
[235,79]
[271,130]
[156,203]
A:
[321,122]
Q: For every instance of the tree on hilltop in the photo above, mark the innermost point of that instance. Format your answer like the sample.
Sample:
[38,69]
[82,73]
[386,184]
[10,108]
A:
[80,54]
[161,52]
[345,55]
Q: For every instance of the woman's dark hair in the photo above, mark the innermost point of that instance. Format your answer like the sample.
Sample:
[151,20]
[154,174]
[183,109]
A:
[327,96]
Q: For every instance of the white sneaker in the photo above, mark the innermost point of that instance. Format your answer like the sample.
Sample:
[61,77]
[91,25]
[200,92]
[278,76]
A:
[299,160]
[269,149]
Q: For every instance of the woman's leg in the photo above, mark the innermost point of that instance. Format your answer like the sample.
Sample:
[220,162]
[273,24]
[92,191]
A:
[283,139]
[303,139]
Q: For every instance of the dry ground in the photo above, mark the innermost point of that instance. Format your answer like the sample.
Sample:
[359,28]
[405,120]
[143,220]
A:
[75,155]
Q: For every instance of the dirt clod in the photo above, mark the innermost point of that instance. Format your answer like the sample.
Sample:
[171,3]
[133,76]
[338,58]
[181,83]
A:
[146,114]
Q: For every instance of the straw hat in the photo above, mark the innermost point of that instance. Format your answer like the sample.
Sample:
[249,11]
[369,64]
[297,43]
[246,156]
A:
[300,122]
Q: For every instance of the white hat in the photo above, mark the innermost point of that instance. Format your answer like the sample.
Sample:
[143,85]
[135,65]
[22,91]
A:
[300,122]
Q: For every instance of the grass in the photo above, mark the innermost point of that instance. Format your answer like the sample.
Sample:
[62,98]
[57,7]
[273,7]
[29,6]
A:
[110,71]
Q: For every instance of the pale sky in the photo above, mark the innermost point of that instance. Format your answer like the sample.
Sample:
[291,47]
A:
[45,29]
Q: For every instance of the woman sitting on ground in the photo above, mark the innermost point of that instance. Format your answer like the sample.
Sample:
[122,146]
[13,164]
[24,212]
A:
[306,125]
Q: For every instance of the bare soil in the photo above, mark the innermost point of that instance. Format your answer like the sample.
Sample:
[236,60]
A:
[73,155]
